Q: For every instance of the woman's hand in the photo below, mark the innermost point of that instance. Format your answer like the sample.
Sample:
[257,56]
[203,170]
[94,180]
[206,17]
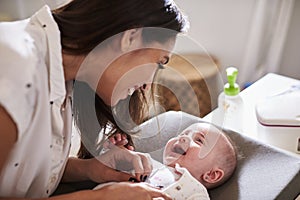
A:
[131,191]
[117,191]
[120,159]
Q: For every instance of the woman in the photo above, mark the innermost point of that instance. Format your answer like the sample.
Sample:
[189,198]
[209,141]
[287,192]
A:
[107,49]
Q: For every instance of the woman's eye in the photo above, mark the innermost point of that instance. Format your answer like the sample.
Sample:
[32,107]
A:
[161,64]
[166,60]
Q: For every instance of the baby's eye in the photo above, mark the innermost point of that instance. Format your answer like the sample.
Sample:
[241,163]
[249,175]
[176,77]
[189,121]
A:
[199,140]
[184,133]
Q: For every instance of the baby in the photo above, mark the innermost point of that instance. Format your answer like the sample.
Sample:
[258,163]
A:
[201,157]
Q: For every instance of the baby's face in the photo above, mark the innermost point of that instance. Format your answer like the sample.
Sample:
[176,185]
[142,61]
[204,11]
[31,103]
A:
[193,148]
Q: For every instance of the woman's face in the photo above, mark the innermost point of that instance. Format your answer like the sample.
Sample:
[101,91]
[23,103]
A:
[132,70]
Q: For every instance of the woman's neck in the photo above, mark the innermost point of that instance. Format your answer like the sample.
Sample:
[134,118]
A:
[71,65]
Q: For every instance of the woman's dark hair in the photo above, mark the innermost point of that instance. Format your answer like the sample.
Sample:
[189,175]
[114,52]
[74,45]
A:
[84,24]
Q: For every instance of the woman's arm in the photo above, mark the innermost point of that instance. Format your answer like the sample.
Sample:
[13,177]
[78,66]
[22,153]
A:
[8,135]
[78,170]
[85,194]
[91,169]
[109,166]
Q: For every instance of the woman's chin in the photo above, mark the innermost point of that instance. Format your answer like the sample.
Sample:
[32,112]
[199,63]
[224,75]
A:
[117,101]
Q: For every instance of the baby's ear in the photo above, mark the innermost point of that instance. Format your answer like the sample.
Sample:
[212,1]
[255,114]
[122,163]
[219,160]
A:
[213,176]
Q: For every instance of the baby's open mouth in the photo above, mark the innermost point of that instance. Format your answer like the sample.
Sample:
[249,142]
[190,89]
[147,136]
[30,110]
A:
[179,150]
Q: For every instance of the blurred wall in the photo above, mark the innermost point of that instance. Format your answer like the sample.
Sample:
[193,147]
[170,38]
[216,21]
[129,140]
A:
[21,9]
[290,64]
[222,28]
[227,29]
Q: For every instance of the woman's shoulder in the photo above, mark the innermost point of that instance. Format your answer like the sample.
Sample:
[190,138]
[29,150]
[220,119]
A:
[17,47]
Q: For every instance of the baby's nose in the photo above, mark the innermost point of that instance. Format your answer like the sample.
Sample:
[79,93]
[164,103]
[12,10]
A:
[184,139]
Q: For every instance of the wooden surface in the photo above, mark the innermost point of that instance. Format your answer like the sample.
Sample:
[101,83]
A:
[189,83]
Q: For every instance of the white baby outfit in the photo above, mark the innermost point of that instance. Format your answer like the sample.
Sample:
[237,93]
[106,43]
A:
[178,183]
[179,187]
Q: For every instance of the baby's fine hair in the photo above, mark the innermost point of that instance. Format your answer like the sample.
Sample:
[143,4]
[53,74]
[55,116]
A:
[227,159]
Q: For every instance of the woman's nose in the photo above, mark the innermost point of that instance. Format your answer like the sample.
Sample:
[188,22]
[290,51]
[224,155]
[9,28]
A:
[146,87]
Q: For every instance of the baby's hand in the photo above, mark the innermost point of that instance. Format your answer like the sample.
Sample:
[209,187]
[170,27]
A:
[119,140]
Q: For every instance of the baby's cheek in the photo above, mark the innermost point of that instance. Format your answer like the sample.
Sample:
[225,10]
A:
[193,154]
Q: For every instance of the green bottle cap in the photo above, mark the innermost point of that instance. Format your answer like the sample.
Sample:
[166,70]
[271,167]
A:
[231,88]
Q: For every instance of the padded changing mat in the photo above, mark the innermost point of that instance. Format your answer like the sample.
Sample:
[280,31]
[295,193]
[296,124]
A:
[263,172]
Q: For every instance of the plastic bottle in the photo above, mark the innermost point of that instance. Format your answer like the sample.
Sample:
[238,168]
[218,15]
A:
[230,103]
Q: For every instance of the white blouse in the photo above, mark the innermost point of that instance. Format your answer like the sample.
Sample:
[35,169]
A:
[33,91]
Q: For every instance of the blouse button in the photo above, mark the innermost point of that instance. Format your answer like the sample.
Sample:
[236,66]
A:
[53,179]
[178,187]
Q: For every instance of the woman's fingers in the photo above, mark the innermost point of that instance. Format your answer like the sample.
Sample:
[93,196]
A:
[125,160]
[156,193]
[147,166]
[147,162]
[159,196]
[142,165]
[138,167]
